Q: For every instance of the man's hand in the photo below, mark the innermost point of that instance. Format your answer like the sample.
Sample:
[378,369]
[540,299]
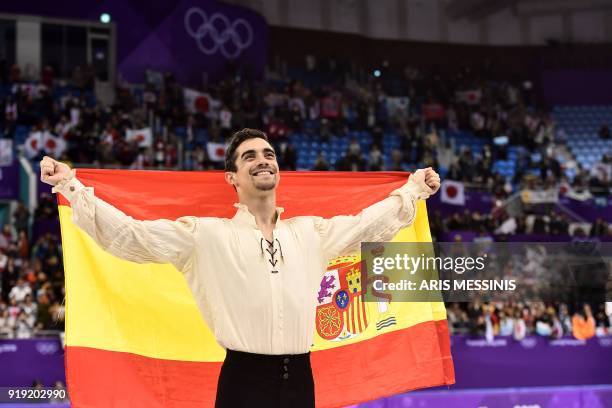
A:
[52,171]
[429,177]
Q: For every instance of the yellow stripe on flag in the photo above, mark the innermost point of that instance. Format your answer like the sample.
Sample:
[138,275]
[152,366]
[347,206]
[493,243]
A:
[159,296]
[103,303]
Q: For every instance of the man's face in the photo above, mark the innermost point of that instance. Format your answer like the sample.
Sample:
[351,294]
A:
[257,168]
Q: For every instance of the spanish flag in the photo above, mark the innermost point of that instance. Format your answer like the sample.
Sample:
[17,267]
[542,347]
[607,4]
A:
[135,338]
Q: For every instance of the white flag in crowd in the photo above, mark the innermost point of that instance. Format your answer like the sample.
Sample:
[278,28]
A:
[45,142]
[216,151]
[397,105]
[6,152]
[33,144]
[144,137]
[452,192]
[471,97]
[195,101]
[201,102]
[52,145]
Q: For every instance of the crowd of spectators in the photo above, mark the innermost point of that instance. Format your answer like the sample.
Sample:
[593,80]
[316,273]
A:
[422,121]
[500,114]
[521,319]
[31,277]
[431,110]
[498,223]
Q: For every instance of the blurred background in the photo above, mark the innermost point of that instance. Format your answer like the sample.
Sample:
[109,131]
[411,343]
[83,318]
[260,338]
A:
[509,100]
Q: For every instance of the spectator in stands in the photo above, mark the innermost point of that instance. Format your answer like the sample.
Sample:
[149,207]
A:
[396,161]
[47,208]
[557,327]
[353,159]
[602,322]
[557,224]
[7,325]
[476,318]
[583,324]
[520,328]
[288,157]
[23,330]
[321,163]
[601,175]
[375,160]
[506,324]
[19,292]
[43,317]
[21,217]
[600,228]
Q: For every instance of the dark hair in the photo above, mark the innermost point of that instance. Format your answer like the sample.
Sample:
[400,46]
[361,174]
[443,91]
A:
[235,141]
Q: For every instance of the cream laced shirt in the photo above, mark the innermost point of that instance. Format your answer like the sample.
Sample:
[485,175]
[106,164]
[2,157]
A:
[256,296]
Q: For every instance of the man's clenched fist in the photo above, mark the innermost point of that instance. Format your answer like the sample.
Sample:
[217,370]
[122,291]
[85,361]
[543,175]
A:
[429,177]
[52,171]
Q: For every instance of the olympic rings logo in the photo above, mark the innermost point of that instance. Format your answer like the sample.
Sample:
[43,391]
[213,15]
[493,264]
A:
[46,348]
[216,33]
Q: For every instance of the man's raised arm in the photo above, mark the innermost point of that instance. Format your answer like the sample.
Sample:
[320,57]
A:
[379,222]
[158,241]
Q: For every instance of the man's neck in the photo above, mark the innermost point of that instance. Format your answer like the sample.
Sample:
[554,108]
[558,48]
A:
[263,209]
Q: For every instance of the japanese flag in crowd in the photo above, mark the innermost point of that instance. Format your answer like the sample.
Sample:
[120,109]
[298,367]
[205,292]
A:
[48,143]
[6,152]
[397,104]
[196,102]
[452,192]
[52,145]
[144,137]
[471,97]
[33,144]
[216,151]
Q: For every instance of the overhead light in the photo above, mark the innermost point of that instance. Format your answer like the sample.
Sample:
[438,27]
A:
[105,18]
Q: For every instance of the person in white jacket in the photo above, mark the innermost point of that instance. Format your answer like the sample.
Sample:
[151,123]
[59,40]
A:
[255,276]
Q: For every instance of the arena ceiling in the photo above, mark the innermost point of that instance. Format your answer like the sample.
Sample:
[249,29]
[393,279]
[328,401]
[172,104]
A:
[478,9]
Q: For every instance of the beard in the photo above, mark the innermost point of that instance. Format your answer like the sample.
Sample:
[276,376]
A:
[265,185]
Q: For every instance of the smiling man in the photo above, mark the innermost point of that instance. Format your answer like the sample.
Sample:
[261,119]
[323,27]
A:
[255,276]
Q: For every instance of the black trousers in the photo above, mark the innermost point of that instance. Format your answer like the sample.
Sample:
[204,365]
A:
[260,380]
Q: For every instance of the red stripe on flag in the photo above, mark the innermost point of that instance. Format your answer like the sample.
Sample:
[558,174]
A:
[101,378]
[153,194]
[409,360]
[404,360]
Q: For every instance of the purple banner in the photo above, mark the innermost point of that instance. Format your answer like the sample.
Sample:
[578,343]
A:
[474,201]
[589,210]
[187,38]
[483,203]
[201,37]
[504,362]
[9,182]
[534,361]
[470,236]
[549,397]
[23,361]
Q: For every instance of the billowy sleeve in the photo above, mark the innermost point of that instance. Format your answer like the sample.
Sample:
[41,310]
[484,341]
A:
[379,222]
[158,241]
